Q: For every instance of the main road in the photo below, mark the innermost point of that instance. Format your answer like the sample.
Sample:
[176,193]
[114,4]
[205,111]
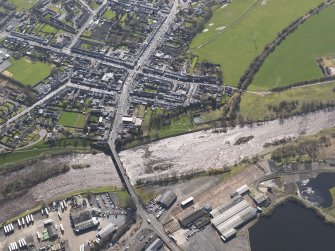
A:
[117,125]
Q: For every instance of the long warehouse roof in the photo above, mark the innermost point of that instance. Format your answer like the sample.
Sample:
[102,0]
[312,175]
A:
[230,212]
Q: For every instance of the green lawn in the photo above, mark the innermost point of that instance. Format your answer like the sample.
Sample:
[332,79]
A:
[72,119]
[236,47]
[256,107]
[109,14]
[27,72]
[179,125]
[22,5]
[123,198]
[49,29]
[295,59]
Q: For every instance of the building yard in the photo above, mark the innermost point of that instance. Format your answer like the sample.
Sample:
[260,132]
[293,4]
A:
[239,32]
[204,150]
[28,72]
[254,107]
[72,119]
[295,60]
[88,171]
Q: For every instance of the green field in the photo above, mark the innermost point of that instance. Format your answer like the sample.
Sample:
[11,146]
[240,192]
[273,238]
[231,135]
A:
[49,29]
[236,47]
[27,72]
[43,149]
[22,5]
[255,107]
[331,210]
[178,125]
[72,119]
[295,59]
[109,14]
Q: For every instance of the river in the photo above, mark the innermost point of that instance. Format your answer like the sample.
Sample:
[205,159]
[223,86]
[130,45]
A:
[292,227]
[204,150]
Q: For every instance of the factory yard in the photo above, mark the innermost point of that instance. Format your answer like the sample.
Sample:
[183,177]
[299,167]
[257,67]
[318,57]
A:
[216,196]
[56,228]
[99,172]
[204,150]
[208,239]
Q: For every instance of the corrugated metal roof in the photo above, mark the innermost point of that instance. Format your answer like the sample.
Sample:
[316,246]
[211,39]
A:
[242,189]
[230,212]
[237,220]
[110,228]
[168,198]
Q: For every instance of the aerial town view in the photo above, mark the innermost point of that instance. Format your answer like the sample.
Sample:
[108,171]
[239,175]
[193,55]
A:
[167,125]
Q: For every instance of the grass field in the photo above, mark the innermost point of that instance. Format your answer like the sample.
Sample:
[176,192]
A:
[256,107]
[72,119]
[331,210]
[179,125]
[295,59]
[109,14]
[41,149]
[22,5]
[237,46]
[145,193]
[27,72]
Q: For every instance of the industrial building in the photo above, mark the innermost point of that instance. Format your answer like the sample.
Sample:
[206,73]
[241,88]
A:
[106,231]
[156,245]
[242,190]
[167,198]
[188,219]
[81,219]
[232,216]
[187,202]
[260,199]
[224,207]
[230,212]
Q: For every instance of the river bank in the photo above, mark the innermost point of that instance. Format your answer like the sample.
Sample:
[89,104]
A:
[204,150]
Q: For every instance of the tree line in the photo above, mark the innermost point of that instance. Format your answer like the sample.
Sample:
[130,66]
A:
[307,147]
[254,67]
